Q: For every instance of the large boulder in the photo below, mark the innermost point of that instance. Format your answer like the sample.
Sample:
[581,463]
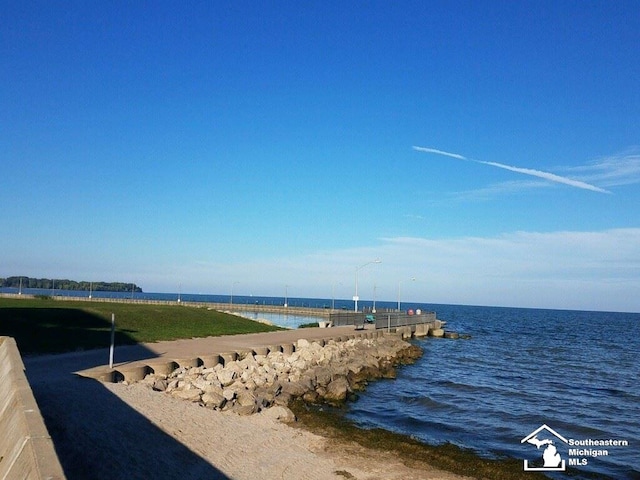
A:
[280,413]
[337,390]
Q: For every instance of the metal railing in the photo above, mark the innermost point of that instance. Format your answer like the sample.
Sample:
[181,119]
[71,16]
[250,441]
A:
[381,320]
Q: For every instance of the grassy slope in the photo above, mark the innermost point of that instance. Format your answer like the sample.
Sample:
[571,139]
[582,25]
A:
[51,326]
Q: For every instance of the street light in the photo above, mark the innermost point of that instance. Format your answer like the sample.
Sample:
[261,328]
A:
[286,294]
[355,297]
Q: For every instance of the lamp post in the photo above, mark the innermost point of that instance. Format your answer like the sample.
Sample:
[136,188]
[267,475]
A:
[355,297]
[286,294]
[374,299]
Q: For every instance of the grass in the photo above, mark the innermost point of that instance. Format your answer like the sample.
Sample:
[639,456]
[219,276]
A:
[44,325]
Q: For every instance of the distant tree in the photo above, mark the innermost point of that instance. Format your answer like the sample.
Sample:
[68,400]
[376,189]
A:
[64,284]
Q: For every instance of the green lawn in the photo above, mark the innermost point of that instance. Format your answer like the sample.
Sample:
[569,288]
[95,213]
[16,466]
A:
[54,326]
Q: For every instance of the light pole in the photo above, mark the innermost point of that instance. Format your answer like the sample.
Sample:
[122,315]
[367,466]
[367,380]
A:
[374,299]
[355,297]
[286,294]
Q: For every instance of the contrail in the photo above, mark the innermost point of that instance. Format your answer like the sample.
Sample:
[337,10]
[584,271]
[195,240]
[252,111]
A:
[552,177]
[439,152]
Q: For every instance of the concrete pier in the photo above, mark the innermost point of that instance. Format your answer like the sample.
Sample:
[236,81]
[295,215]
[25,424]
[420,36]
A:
[209,351]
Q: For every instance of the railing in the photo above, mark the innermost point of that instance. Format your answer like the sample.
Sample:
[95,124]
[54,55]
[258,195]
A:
[381,320]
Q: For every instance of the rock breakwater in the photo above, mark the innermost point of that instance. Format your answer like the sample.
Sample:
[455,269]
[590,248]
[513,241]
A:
[317,371]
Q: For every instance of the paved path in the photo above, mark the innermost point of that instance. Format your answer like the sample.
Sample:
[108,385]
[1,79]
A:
[95,363]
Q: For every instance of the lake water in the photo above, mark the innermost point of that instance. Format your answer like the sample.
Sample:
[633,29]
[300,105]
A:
[576,372]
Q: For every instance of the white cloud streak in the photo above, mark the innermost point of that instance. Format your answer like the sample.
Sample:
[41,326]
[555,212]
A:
[551,177]
[614,170]
[439,152]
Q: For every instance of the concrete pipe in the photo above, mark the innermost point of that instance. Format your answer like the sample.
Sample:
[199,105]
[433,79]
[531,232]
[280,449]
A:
[287,348]
[133,374]
[261,351]
[226,357]
[162,368]
[188,362]
[209,361]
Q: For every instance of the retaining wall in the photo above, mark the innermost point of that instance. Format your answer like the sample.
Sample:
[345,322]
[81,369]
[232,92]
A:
[26,449]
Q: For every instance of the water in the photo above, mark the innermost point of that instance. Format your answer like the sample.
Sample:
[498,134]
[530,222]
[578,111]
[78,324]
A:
[576,372]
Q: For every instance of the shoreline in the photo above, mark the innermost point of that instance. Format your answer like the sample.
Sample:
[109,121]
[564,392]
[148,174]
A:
[115,430]
[120,430]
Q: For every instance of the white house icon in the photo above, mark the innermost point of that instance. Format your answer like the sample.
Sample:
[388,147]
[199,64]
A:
[551,457]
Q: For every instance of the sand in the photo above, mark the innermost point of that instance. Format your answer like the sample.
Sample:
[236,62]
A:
[117,431]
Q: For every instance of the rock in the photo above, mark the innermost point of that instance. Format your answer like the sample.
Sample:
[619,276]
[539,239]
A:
[311,397]
[227,376]
[245,398]
[160,385]
[244,409]
[294,389]
[436,332]
[302,344]
[323,376]
[337,390]
[213,399]
[283,398]
[328,371]
[192,394]
[280,413]
[229,394]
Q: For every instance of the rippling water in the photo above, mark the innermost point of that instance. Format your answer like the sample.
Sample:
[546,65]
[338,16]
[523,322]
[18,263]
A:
[576,372]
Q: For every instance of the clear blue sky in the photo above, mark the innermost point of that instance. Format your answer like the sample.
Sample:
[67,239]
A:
[200,145]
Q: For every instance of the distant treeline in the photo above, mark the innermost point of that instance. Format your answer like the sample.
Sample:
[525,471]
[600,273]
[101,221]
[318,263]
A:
[58,284]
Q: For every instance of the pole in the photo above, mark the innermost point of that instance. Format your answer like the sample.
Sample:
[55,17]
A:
[113,337]
[355,297]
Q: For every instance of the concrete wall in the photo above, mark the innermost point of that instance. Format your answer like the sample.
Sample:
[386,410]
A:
[26,449]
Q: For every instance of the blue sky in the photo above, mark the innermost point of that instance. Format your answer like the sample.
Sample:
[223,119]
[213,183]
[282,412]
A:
[490,150]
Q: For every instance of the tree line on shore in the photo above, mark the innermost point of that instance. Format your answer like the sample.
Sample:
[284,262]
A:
[64,284]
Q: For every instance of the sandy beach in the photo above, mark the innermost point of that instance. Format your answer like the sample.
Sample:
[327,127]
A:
[119,431]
